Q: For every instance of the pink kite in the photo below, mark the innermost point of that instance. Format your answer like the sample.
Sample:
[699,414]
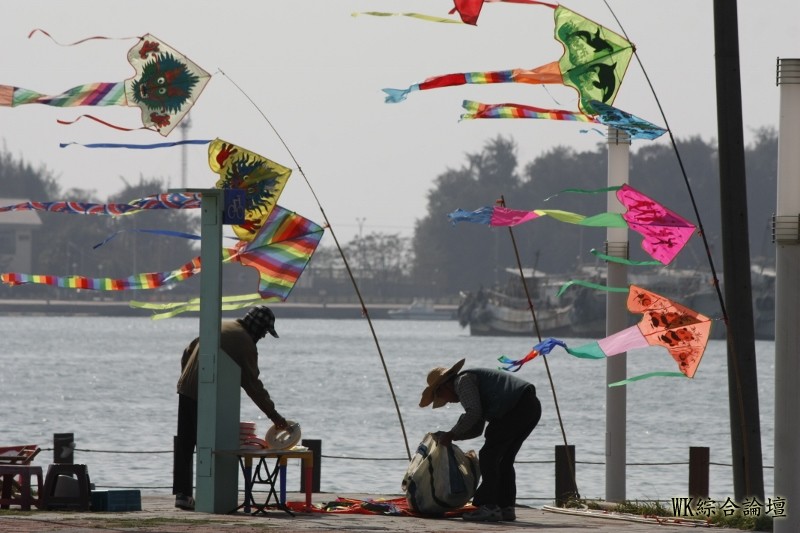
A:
[665,232]
[682,331]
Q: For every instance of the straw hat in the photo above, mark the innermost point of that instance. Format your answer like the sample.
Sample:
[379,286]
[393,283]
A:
[436,378]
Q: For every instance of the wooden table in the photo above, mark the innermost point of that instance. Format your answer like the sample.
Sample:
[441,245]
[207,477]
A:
[265,475]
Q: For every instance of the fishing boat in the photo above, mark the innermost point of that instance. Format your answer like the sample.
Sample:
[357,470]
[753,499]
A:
[420,309]
[505,311]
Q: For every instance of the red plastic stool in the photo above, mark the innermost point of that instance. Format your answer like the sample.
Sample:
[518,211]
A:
[25,498]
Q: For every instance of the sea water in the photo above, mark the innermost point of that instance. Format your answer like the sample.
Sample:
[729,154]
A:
[111,382]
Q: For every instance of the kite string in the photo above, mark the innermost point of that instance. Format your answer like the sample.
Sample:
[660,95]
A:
[731,345]
[341,252]
[502,202]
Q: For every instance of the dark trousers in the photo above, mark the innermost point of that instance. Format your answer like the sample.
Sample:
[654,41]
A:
[182,473]
[504,437]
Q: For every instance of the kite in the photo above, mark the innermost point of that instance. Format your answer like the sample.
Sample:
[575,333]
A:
[280,252]
[165,87]
[594,63]
[469,10]
[664,232]
[262,180]
[157,201]
[682,331]
[607,115]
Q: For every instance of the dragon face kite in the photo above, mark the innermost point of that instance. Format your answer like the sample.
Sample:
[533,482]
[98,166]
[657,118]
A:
[165,87]
[262,180]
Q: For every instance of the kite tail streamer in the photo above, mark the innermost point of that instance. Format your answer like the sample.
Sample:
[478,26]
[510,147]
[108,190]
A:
[589,285]
[151,280]
[136,146]
[515,364]
[96,37]
[169,310]
[421,16]
[647,376]
[622,261]
[90,94]
[395,96]
[476,110]
[103,122]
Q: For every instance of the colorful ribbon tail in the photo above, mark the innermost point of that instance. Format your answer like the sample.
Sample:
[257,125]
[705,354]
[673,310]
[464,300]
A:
[647,376]
[394,96]
[421,16]
[136,146]
[622,261]
[515,365]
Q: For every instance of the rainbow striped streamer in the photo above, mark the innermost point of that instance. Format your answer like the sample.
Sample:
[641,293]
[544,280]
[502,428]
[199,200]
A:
[607,115]
[88,94]
[156,201]
[150,280]
[477,110]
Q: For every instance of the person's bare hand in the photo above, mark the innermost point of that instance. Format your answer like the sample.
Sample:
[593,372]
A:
[281,424]
[443,438]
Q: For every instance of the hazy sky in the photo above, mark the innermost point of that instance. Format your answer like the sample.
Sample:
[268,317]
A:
[317,72]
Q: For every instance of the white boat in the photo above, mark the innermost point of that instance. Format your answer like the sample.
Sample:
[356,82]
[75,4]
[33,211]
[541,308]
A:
[420,309]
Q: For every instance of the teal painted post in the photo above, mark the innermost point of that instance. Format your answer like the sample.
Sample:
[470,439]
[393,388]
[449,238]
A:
[218,377]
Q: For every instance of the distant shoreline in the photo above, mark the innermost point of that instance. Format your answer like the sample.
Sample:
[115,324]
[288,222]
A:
[106,308]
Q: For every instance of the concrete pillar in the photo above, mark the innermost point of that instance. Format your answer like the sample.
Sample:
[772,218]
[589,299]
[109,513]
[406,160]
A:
[616,320]
[786,234]
[219,377]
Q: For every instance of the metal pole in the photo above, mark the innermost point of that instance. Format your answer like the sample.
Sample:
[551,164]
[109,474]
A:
[786,235]
[219,377]
[616,320]
[748,476]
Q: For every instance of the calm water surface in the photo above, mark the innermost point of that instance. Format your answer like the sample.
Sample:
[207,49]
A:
[111,382]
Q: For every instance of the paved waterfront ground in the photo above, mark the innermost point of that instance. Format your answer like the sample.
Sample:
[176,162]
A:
[159,515]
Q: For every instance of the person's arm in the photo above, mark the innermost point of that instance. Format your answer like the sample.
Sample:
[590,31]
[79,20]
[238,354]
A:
[470,424]
[255,389]
[246,356]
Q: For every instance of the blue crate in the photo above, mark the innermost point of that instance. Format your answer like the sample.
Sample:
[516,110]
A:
[115,501]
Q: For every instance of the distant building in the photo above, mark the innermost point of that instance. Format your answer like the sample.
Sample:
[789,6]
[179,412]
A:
[16,237]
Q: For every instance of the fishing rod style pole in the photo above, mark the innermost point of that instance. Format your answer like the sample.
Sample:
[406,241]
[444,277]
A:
[364,310]
[570,461]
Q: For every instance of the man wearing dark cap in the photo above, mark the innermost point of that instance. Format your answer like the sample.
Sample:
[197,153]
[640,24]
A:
[510,406]
[238,339]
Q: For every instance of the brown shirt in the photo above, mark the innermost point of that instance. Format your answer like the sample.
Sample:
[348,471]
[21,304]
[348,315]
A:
[239,345]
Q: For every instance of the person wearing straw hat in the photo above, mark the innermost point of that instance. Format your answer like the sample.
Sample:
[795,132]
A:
[238,339]
[512,410]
